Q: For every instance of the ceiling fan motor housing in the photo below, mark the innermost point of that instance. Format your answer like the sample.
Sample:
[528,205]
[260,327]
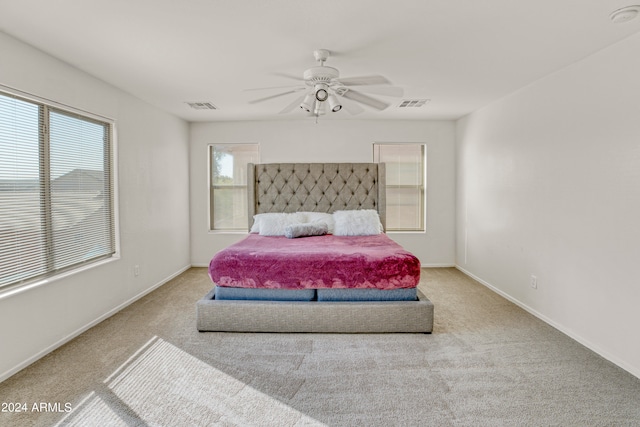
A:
[320,75]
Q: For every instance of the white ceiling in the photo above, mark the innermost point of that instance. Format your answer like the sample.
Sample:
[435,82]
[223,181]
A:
[460,54]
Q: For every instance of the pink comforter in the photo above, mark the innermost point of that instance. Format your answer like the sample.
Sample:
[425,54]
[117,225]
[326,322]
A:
[319,262]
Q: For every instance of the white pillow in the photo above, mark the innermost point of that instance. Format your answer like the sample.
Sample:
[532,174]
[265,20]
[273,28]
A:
[362,222]
[321,217]
[255,228]
[274,224]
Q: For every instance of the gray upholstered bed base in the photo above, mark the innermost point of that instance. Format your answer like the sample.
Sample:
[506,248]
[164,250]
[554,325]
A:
[319,187]
[314,316]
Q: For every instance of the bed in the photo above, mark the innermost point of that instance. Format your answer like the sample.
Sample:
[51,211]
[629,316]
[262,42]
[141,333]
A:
[317,282]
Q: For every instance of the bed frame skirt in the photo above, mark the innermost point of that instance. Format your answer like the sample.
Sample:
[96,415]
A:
[313,316]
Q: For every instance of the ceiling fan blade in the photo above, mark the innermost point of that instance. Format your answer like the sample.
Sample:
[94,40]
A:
[383,90]
[364,80]
[296,103]
[266,98]
[269,87]
[286,76]
[365,99]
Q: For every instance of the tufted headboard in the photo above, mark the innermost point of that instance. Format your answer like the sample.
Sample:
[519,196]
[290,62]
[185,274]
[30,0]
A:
[316,187]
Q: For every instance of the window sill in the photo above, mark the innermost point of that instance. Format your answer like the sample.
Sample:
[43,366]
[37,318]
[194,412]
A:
[20,288]
[228,232]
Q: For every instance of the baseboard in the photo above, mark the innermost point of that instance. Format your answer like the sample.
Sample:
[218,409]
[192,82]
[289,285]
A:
[422,265]
[200,265]
[568,332]
[86,327]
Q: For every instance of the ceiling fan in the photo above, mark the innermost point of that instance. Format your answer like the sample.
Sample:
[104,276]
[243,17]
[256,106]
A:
[325,90]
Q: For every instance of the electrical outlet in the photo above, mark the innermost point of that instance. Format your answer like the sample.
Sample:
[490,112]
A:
[136,270]
[534,282]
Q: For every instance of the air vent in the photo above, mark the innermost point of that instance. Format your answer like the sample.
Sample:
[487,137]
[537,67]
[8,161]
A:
[202,106]
[412,103]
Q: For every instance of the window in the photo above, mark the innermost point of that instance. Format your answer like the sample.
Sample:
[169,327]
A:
[228,185]
[406,183]
[56,200]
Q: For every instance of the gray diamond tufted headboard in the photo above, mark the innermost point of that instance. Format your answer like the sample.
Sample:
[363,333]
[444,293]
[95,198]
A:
[316,187]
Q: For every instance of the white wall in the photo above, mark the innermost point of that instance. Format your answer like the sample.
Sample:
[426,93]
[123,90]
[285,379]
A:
[333,141]
[548,183]
[153,163]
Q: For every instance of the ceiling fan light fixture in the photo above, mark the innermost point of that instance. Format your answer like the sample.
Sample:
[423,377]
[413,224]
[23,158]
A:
[334,105]
[321,92]
[307,103]
[321,95]
[320,109]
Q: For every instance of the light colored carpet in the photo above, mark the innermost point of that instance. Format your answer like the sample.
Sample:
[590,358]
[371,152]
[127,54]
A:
[488,363]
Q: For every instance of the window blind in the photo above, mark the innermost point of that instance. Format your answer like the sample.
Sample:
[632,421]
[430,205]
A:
[228,185]
[56,195]
[405,189]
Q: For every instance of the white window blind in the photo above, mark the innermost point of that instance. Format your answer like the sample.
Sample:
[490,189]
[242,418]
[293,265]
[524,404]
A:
[56,195]
[228,185]
[406,183]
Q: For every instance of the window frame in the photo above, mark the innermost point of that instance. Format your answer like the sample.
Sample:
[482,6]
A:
[423,187]
[210,188]
[46,107]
